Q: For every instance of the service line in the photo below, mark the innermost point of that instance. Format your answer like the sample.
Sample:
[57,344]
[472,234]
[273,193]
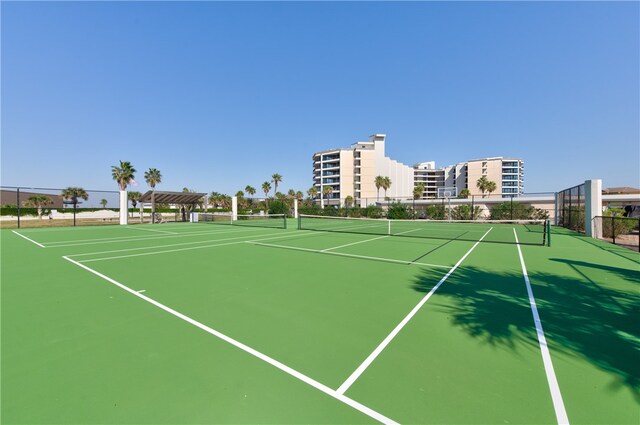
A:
[292,372]
[365,364]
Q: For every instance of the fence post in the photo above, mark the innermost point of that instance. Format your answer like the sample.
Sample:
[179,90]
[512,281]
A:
[18,204]
[613,229]
[511,207]
[592,207]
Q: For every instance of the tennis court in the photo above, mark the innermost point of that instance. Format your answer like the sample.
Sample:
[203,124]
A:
[345,322]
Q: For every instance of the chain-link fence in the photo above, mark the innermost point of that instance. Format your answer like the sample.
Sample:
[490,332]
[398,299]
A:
[571,208]
[623,231]
[27,207]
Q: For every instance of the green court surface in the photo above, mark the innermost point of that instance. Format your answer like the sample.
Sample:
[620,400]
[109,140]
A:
[194,323]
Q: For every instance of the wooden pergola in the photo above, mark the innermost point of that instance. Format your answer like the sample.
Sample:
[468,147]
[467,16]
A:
[162,197]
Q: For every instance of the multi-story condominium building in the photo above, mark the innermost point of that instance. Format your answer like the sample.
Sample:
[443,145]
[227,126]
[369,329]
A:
[352,172]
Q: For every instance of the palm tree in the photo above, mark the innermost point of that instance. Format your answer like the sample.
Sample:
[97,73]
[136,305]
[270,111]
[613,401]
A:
[386,184]
[464,193]
[348,201]
[485,184]
[103,202]
[73,193]
[312,192]
[418,190]
[491,187]
[379,182]
[133,197]
[299,195]
[39,201]
[266,187]
[250,190]
[153,177]
[123,174]
[326,191]
[277,178]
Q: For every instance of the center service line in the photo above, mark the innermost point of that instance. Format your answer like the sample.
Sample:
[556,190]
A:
[554,388]
[365,364]
[338,396]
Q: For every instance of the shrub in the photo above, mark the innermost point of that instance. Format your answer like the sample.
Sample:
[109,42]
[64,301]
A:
[399,211]
[278,207]
[464,212]
[517,211]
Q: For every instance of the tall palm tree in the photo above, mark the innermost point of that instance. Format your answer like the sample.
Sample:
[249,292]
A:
[379,182]
[266,187]
[299,195]
[276,178]
[73,193]
[312,192]
[464,193]
[123,174]
[250,190]
[38,201]
[152,177]
[326,191]
[386,184]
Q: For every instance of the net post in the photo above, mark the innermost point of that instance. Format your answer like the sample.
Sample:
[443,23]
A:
[299,222]
[548,232]
[234,208]
[284,218]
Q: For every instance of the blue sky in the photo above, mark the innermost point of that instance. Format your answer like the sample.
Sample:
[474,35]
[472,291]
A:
[219,95]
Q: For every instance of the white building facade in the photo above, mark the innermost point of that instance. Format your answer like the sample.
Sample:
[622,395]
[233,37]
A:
[351,172]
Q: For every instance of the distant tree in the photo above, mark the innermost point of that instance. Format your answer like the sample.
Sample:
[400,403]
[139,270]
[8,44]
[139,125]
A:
[348,201]
[276,178]
[104,202]
[312,192]
[250,190]
[418,190]
[326,192]
[299,196]
[386,184]
[38,201]
[266,187]
[485,185]
[152,177]
[74,194]
[491,187]
[133,197]
[464,193]
[379,182]
[123,174]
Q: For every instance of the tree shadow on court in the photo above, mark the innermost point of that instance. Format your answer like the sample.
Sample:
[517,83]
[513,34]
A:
[580,318]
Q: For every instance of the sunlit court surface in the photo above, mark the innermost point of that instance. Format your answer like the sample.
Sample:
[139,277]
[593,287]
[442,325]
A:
[211,322]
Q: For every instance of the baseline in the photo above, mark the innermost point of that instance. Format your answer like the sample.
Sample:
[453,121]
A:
[552,380]
[29,239]
[365,364]
[290,371]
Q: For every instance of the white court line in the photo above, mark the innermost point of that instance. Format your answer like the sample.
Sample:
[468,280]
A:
[312,382]
[30,240]
[135,239]
[556,396]
[356,374]
[183,249]
[367,240]
[344,254]
[151,230]
[163,246]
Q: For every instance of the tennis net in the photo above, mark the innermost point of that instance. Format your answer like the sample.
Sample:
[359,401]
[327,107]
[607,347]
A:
[277,221]
[529,232]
